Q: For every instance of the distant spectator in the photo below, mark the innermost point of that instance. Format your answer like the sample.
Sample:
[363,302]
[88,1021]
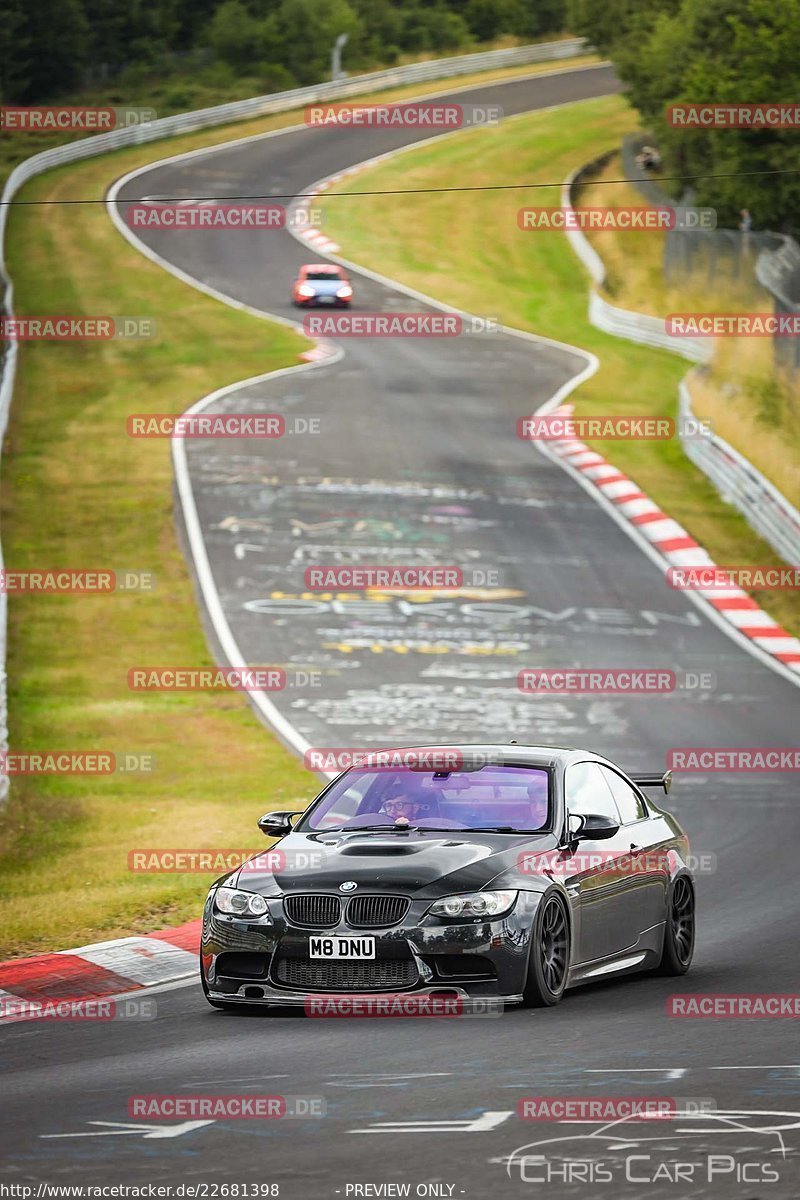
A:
[745,220]
[648,159]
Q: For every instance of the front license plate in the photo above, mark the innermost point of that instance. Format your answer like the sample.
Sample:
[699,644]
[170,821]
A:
[341,947]
[325,299]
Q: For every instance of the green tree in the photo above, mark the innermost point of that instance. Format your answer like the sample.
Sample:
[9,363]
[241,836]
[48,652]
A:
[307,30]
[531,20]
[58,34]
[14,50]
[707,52]
[487,19]
[604,22]
[130,33]
[234,34]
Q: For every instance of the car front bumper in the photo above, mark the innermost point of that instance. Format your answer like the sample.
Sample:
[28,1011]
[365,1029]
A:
[321,302]
[260,961]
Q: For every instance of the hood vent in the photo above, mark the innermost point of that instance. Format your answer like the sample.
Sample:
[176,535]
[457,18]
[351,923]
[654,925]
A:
[381,849]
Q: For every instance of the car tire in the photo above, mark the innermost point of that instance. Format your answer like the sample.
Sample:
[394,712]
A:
[679,929]
[548,961]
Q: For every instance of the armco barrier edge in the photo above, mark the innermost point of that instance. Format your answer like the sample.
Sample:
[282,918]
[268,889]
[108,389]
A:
[765,508]
[205,118]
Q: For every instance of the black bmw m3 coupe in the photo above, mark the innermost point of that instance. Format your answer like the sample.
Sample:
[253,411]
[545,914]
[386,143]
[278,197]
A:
[503,872]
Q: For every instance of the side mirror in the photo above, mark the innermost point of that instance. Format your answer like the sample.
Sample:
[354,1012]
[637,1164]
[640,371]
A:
[592,827]
[276,824]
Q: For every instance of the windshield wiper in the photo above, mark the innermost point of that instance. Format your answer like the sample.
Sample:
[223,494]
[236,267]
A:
[499,829]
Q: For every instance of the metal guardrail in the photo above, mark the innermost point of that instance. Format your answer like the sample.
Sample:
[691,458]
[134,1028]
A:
[764,507]
[740,484]
[580,244]
[648,331]
[207,118]
[622,322]
[743,260]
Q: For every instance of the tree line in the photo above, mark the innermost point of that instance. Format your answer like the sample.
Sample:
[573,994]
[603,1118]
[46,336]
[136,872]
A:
[50,49]
[711,51]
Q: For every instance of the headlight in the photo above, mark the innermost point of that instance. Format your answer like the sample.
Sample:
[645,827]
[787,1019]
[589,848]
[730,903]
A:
[240,904]
[344,293]
[474,904]
[305,289]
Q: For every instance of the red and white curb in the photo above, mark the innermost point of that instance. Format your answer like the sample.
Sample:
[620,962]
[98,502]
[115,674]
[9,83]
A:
[678,548]
[99,971]
[320,352]
[319,241]
[315,237]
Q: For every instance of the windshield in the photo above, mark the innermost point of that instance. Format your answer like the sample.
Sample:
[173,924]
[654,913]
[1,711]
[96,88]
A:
[325,276]
[508,799]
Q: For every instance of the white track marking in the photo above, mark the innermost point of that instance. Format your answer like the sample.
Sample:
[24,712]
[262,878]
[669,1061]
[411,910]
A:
[670,1072]
[119,1129]
[377,1080]
[483,1124]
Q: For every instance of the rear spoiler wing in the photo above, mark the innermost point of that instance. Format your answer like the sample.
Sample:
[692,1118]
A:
[654,781]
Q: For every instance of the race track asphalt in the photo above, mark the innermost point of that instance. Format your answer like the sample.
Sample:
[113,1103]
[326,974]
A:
[418,457]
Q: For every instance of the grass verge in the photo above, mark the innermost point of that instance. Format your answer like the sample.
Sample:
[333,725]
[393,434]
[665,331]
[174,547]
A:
[468,251]
[79,493]
[750,403]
